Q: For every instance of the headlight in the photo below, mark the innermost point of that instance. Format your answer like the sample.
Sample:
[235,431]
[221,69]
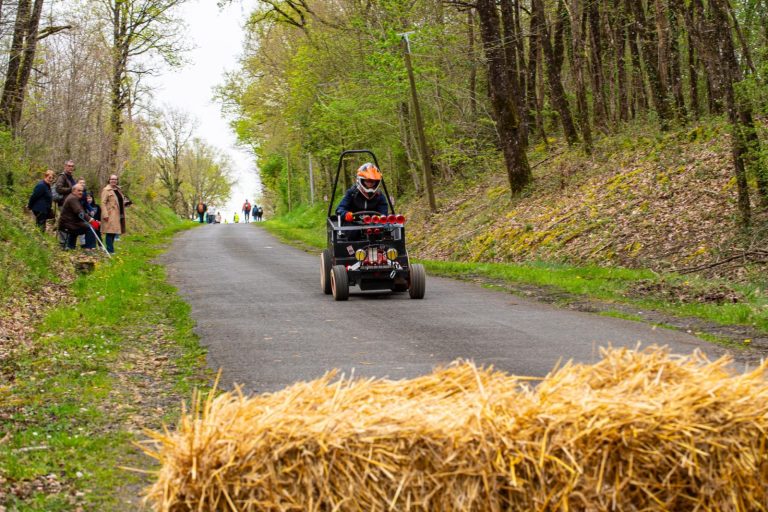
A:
[359,255]
[391,254]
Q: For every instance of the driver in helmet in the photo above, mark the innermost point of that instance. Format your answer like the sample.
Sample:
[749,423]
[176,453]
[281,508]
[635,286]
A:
[365,195]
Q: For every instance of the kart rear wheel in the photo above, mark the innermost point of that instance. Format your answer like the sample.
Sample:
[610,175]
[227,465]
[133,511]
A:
[326,262]
[418,281]
[339,282]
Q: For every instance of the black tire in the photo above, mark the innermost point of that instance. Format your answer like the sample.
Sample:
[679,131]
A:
[418,281]
[326,262]
[339,283]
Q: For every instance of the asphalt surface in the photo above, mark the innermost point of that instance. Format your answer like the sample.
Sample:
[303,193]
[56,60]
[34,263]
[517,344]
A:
[267,324]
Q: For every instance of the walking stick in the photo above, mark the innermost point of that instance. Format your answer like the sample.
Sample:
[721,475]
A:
[98,239]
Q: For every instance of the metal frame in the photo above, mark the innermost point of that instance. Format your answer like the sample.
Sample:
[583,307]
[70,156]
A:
[338,173]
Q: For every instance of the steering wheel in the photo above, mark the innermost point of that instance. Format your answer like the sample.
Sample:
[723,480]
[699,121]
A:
[363,213]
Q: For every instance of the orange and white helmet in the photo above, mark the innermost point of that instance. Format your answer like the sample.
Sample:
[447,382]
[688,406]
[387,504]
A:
[368,172]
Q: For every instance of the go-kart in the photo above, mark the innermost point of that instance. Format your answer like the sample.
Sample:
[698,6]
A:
[368,251]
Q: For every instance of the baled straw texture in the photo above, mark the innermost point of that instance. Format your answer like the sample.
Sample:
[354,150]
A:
[636,431]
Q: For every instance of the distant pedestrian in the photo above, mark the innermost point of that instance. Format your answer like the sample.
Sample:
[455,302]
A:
[74,218]
[41,200]
[259,213]
[246,211]
[113,205]
[237,218]
[218,218]
[201,209]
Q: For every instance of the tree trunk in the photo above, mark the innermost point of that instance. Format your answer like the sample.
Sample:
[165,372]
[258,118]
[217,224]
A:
[11,90]
[650,57]
[30,48]
[578,18]
[746,53]
[502,93]
[639,97]
[472,64]
[675,74]
[693,78]
[599,101]
[620,38]
[533,61]
[515,78]
[116,87]
[554,64]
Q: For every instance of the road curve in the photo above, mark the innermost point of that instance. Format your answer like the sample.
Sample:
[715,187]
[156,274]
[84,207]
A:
[266,323]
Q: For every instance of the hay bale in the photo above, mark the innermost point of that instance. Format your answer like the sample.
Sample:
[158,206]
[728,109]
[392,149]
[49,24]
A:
[636,431]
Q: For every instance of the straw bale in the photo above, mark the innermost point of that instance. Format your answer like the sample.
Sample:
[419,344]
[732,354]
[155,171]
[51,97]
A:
[639,430]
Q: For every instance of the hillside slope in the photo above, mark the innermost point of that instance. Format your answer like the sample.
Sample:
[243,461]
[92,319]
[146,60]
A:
[36,274]
[665,202]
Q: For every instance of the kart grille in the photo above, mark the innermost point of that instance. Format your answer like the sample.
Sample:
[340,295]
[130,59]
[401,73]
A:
[375,256]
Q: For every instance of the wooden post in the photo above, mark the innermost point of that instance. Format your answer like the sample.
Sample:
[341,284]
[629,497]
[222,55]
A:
[419,126]
[288,169]
[311,183]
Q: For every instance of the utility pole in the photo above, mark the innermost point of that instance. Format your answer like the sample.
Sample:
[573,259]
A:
[419,125]
[311,183]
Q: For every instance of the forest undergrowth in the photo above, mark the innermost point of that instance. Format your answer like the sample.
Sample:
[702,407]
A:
[642,199]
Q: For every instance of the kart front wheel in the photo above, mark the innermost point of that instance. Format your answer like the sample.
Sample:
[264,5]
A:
[418,281]
[326,262]
[339,282]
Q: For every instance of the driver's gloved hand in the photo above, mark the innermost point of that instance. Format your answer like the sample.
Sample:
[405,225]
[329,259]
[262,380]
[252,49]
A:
[348,216]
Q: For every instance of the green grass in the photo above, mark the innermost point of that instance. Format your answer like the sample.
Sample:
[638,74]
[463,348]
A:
[610,284]
[613,284]
[26,255]
[74,393]
[305,225]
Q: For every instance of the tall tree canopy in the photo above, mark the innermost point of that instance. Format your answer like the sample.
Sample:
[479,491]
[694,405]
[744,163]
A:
[494,77]
[74,89]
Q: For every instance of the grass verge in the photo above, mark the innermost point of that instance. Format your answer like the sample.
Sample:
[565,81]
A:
[118,361]
[680,296]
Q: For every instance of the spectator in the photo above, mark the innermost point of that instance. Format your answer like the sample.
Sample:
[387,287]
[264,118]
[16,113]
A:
[237,218]
[41,200]
[259,213]
[201,209]
[73,217]
[218,217]
[61,189]
[88,237]
[64,182]
[246,211]
[113,204]
[94,210]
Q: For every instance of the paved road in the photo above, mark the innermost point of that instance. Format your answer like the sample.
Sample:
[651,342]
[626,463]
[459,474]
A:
[261,313]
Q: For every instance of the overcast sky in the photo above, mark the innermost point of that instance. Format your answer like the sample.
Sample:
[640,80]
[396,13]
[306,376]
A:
[217,35]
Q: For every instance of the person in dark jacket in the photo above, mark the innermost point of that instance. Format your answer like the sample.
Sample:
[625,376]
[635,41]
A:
[63,187]
[365,195]
[65,181]
[41,200]
[73,217]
